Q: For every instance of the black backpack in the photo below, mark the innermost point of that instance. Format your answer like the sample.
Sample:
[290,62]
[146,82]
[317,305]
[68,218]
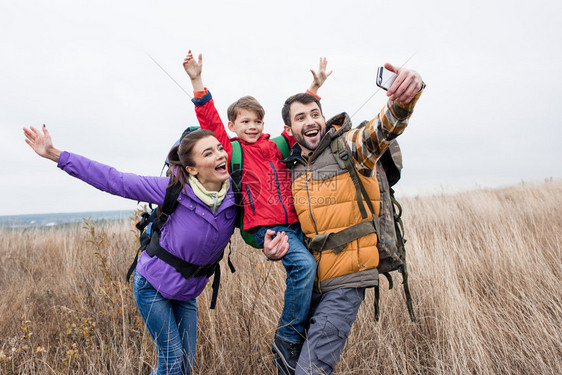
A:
[150,230]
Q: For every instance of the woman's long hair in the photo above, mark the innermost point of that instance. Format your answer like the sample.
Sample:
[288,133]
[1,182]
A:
[181,156]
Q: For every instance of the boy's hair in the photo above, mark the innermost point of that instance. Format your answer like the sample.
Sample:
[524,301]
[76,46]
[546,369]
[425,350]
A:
[248,103]
[302,98]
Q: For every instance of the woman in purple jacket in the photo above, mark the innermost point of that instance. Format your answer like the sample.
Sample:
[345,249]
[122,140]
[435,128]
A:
[197,232]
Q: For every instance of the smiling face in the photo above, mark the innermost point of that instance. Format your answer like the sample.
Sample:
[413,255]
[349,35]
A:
[248,125]
[209,163]
[308,125]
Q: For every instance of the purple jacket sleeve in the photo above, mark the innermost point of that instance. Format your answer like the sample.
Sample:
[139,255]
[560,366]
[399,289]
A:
[103,177]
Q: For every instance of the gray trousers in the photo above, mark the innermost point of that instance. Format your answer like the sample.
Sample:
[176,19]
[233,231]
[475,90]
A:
[331,316]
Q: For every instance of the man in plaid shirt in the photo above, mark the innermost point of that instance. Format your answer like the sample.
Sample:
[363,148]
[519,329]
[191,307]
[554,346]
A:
[345,272]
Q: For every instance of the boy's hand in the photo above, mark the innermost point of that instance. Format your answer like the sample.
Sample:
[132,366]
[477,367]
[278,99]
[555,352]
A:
[319,78]
[405,86]
[193,69]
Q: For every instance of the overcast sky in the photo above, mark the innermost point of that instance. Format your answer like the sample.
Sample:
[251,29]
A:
[487,118]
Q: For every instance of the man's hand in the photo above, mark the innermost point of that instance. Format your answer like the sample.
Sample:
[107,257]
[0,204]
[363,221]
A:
[319,78]
[41,143]
[276,248]
[193,69]
[405,86]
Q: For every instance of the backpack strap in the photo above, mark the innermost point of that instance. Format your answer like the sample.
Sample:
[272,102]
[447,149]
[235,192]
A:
[186,269]
[152,246]
[236,170]
[236,163]
[401,241]
[170,203]
[338,240]
[143,222]
[168,207]
[236,167]
[133,265]
[340,152]
[283,145]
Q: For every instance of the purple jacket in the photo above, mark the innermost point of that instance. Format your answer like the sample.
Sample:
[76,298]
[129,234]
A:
[192,232]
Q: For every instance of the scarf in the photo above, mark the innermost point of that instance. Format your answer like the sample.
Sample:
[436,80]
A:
[213,199]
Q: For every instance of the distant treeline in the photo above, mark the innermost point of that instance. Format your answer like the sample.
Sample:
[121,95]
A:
[55,219]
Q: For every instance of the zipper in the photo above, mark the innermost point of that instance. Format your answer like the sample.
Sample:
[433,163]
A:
[279,193]
[306,179]
[308,196]
[250,200]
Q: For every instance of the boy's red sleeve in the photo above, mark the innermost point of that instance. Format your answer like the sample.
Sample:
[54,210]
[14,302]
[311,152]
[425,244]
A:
[209,118]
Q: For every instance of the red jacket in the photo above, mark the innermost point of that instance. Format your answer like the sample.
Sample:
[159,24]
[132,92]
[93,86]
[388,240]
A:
[266,181]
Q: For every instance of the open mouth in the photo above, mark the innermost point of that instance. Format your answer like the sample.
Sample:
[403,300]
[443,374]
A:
[313,132]
[221,167]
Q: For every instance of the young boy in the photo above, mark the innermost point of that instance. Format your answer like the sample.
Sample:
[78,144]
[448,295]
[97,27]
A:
[267,198]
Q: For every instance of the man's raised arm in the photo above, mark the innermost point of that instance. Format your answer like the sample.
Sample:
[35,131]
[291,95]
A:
[369,142]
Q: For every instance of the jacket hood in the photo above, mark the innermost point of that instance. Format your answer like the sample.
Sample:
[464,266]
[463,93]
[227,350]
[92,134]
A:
[340,123]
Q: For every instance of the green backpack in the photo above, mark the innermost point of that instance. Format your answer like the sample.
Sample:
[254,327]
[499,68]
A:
[236,168]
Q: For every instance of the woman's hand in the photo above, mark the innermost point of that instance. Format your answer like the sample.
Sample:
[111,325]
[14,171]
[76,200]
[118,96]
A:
[41,143]
[275,248]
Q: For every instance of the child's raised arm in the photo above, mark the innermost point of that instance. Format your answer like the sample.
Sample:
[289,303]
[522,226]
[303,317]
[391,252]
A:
[193,69]
[205,110]
[319,78]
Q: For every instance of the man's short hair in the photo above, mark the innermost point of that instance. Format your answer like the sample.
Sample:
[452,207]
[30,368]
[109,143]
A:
[248,103]
[302,98]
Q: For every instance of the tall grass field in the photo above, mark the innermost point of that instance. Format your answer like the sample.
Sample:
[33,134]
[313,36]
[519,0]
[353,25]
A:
[485,278]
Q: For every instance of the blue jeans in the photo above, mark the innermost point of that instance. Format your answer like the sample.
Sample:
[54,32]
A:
[172,325]
[300,266]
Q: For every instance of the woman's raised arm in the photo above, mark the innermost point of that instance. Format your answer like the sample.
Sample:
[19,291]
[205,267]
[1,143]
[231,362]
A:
[41,143]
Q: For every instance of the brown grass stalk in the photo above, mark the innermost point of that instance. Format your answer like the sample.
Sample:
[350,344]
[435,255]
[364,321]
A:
[484,274]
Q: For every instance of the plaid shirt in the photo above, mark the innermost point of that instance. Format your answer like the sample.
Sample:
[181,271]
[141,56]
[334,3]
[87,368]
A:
[369,142]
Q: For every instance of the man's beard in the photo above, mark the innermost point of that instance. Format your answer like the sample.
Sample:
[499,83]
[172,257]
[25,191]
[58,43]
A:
[304,142]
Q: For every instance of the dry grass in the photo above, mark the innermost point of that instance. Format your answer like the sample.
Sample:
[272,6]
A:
[485,277]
